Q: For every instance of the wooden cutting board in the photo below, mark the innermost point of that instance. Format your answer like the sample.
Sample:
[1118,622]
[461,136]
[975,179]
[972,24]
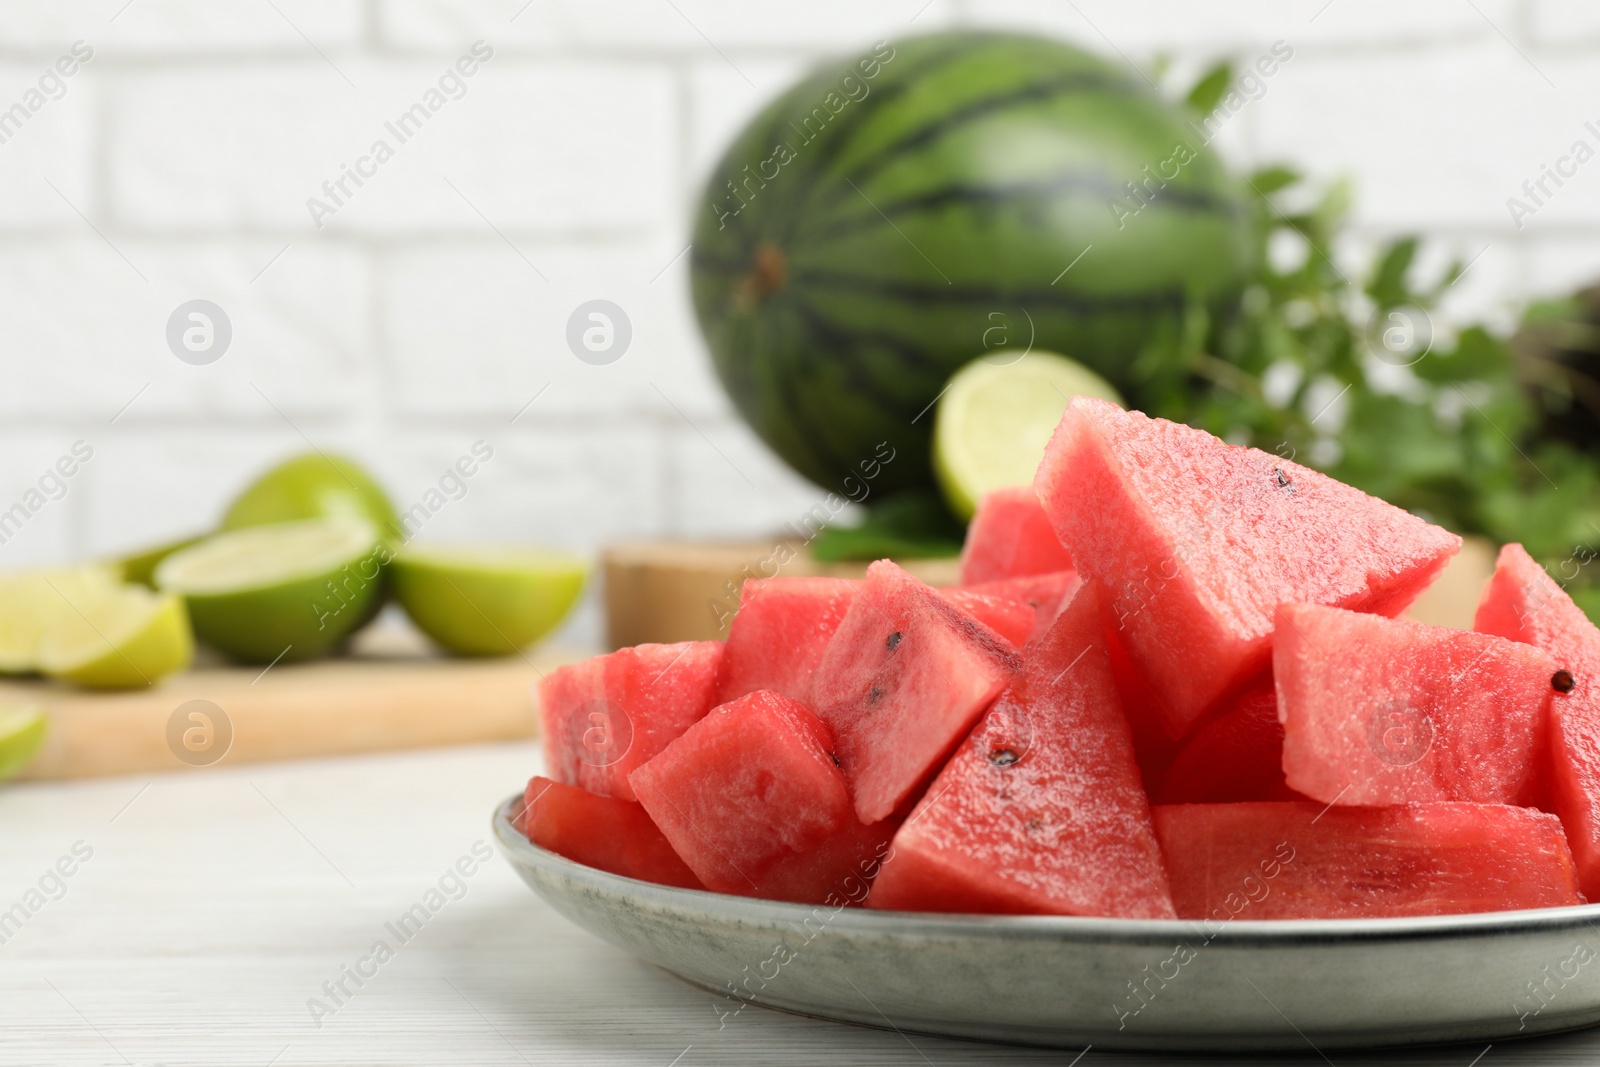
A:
[391,694]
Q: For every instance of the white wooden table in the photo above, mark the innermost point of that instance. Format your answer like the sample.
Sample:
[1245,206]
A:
[216,903]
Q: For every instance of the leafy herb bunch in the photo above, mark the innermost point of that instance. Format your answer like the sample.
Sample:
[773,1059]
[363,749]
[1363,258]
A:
[1358,378]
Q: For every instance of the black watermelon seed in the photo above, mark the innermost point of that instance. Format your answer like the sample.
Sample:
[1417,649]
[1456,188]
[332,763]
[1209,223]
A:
[894,640]
[834,758]
[874,695]
[1283,479]
[1562,681]
[1003,757]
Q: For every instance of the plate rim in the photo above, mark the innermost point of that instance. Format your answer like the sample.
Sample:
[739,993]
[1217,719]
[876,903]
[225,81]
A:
[956,925]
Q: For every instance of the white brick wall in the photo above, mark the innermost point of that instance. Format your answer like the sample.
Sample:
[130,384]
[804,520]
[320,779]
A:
[431,307]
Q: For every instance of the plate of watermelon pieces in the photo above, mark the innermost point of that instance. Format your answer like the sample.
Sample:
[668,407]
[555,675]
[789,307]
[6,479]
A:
[1166,771]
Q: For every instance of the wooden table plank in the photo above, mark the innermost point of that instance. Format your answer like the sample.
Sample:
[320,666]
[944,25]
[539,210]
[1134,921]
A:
[394,694]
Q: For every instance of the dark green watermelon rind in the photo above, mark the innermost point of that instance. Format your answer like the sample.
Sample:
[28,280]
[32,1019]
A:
[964,144]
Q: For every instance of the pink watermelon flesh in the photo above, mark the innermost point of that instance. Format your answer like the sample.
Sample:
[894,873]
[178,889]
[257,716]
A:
[1387,711]
[1523,603]
[779,635]
[1043,594]
[1007,616]
[1009,537]
[1237,756]
[1304,861]
[1152,746]
[608,715]
[1041,810]
[1198,541]
[613,835]
[902,682]
[749,785]
[837,872]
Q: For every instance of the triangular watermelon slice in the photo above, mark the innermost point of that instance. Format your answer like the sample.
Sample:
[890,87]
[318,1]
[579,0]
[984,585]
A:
[1011,537]
[1041,810]
[838,872]
[779,635]
[1389,711]
[1307,861]
[607,715]
[1198,541]
[1523,603]
[603,832]
[1011,618]
[1235,757]
[1153,747]
[905,677]
[1042,595]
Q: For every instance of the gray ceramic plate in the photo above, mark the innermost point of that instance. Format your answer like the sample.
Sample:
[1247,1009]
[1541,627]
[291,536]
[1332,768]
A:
[1113,983]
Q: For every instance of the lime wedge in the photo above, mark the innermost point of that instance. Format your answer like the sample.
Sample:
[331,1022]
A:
[994,421]
[289,590]
[122,638]
[141,567]
[22,731]
[487,601]
[32,601]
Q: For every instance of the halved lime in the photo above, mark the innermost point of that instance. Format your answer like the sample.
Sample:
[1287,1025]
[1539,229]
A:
[315,485]
[122,638]
[291,590]
[487,601]
[22,731]
[994,422]
[141,566]
[32,601]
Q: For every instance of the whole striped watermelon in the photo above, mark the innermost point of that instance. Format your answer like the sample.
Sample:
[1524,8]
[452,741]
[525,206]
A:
[898,213]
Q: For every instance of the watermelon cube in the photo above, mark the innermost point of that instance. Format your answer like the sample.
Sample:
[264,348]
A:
[903,680]
[1523,603]
[1305,861]
[1198,541]
[613,835]
[779,635]
[1009,537]
[1386,711]
[1234,757]
[607,715]
[1041,810]
[751,784]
